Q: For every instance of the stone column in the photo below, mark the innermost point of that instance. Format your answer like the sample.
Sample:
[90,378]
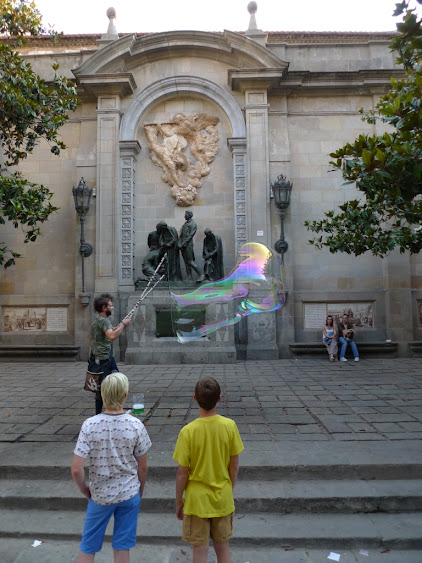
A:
[238,149]
[128,152]
[258,180]
[261,328]
[107,219]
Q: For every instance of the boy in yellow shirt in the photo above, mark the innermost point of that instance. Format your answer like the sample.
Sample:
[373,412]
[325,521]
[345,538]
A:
[207,451]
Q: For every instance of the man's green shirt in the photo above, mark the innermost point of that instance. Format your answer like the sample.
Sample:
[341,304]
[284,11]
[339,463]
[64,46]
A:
[100,344]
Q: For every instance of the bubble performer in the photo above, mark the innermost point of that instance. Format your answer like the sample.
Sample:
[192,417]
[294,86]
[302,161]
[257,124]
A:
[245,284]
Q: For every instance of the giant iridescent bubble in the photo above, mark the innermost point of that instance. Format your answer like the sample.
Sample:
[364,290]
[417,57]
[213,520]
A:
[249,288]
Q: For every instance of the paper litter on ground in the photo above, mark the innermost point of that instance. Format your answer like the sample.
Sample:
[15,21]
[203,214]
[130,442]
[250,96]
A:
[334,556]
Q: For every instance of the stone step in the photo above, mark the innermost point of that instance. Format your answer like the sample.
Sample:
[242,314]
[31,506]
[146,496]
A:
[282,496]
[304,472]
[14,550]
[316,531]
[311,472]
[251,470]
[272,461]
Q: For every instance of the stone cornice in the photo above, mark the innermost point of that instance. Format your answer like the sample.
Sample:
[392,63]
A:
[121,84]
[264,78]
[366,81]
[273,37]
[236,144]
[328,37]
[131,148]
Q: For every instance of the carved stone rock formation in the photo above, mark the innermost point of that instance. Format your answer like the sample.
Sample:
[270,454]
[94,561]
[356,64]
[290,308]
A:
[168,142]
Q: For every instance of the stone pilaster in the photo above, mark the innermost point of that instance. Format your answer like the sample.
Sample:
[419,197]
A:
[238,148]
[398,299]
[256,111]
[128,152]
[107,220]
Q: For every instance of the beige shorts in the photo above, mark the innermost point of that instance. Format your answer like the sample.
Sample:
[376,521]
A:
[198,531]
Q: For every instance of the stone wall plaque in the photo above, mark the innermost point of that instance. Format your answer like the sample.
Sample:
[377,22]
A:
[35,319]
[315,314]
[56,319]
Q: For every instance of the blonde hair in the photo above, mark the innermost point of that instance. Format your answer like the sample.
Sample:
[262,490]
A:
[114,389]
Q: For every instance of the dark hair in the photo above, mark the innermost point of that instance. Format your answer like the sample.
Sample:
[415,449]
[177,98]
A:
[329,317]
[100,302]
[207,392]
[107,296]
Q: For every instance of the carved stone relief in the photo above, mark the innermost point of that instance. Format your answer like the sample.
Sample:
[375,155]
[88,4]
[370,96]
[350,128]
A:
[168,143]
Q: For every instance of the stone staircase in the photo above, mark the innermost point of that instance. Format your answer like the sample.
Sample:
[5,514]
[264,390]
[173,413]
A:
[279,507]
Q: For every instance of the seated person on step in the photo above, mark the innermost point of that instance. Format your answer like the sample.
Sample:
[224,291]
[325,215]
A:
[329,337]
[346,334]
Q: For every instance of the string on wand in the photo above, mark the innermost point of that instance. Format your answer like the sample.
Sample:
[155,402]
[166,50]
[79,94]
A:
[148,289]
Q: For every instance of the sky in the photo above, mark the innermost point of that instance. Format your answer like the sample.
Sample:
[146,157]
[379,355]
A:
[137,16]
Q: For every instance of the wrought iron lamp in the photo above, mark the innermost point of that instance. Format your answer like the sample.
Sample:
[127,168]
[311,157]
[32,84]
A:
[282,190]
[82,196]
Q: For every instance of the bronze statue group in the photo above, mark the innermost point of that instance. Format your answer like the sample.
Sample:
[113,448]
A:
[166,240]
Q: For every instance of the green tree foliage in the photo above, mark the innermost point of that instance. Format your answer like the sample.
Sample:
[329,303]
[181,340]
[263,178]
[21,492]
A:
[387,168]
[31,109]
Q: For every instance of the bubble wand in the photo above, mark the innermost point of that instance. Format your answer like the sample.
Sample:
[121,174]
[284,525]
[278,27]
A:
[147,289]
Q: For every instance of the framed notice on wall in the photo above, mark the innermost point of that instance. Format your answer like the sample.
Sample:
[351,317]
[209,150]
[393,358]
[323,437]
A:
[35,319]
[315,315]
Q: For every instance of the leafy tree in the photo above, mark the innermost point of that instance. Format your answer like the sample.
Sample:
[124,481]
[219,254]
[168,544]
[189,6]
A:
[31,109]
[386,168]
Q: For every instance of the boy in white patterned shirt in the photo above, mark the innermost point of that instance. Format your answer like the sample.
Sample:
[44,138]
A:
[116,444]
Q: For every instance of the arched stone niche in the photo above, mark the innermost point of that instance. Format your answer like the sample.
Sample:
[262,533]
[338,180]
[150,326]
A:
[222,201]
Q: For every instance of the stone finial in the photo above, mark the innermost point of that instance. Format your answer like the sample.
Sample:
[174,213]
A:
[253,32]
[111,34]
[111,14]
[252,9]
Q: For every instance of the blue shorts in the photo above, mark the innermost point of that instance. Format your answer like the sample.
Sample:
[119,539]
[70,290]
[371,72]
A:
[125,522]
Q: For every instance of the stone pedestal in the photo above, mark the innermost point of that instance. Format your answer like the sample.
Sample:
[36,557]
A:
[145,347]
[261,332]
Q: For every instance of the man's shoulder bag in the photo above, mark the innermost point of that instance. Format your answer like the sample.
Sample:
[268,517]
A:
[95,374]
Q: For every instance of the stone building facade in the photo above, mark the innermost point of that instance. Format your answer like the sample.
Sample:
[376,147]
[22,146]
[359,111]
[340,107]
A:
[284,101]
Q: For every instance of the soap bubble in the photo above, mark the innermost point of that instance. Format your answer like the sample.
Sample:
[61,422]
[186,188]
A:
[248,289]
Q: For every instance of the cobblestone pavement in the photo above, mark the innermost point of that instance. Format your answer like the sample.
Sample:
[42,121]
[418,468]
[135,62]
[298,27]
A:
[271,401]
